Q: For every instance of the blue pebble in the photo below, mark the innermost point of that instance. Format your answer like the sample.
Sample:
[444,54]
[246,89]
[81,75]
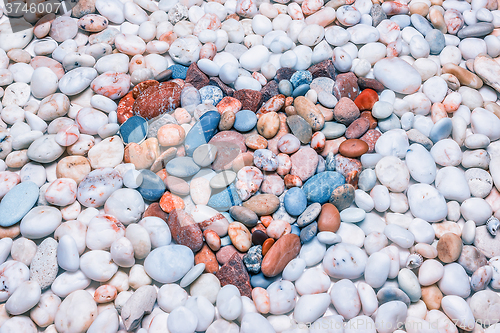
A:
[295,201]
[225,199]
[245,121]
[211,94]
[152,187]
[308,233]
[134,129]
[436,41]
[389,123]
[321,164]
[285,88]
[17,203]
[182,167]
[402,20]
[295,229]
[441,130]
[202,131]
[301,77]
[260,280]
[300,90]
[421,24]
[319,187]
[225,241]
[330,162]
[178,71]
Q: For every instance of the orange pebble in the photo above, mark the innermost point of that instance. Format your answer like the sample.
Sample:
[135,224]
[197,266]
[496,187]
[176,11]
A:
[162,174]
[169,202]
[288,101]
[366,99]
[207,257]
[438,112]
[229,104]
[266,220]
[124,110]
[292,181]
[105,293]
[212,239]
[267,245]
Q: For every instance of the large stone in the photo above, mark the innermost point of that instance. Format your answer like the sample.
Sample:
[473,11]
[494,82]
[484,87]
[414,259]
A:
[234,272]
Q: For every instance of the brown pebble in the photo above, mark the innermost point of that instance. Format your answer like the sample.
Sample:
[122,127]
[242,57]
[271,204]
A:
[280,254]
[234,272]
[357,128]
[185,231]
[346,111]
[267,245]
[207,257]
[449,248]
[368,116]
[155,210]
[329,218]
[263,204]
[227,121]
[353,148]
[10,232]
[256,141]
[432,297]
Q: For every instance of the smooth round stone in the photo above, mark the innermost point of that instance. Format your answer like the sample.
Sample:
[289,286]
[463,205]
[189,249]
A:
[76,312]
[40,222]
[447,153]
[245,120]
[352,215]
[25,297]
[389,315]
[345,261]
[480,182]
[171,296]
[229,302]
[77,80]
[97,186]
[182,320]
[333,130]
[169,263]
[457,309]
[134,129]
[152,186]
[408,282]
[312,252]
[427,203]
[393,173]
[422,230]
[455,281]
[367,179]
[452,184]
[67,254]
[440,130]
[477,210]
[282,296]
[309,215]
[285,87]
[182,167]
[294,269]
[420,164]
[329,238]
[255,322]
[295,201]
[223,179]
[205,154]
[45,149]
[17,203]
[377,269]
[211,94]
[345,298]
[397,75]
[393,142]
[311,307]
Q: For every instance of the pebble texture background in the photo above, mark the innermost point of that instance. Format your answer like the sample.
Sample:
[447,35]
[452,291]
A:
[244,166]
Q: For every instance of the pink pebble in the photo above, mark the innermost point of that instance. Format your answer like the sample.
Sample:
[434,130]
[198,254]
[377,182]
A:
[61,192]
[284,164]
[318,141]
[105,293]
[249,181]
[273,184]
[288,144]
[278,228]
[67,135]
[7,181]
[212,239]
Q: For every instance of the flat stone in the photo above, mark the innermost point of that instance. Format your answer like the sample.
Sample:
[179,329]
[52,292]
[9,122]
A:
[17,203]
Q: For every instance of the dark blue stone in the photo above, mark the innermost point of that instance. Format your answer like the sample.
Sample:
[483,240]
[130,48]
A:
[225,199]
[300,90]
[18,202]
[134,129]
[308,233]
[152,187]
[295,201]
[259,280]
[245,121]
[211,94]
[319,187]
[202,131]
[301,77]
[178,71]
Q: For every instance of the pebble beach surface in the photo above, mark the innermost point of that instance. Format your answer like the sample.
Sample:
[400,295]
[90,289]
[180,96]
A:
[251,166]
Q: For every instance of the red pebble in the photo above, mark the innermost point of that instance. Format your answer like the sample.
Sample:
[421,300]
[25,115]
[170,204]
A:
[185,231]
[124,110]
[366,99]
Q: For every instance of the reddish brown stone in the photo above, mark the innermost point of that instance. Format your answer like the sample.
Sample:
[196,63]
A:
[346,111]
[196,77]
[229,145]
[323,69]
[185,230]
[157,100]
[142,86]
[350,168]
[226,90]
[124,110]
[234,272]
[269,90]
[280,254]
[353,148]
[284,73]
[250,99]
[207,257]
[357,128]
[366,99]
[371,120]
[155,210]
[346,85]
[371,138]
[365,83]
[225,253]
